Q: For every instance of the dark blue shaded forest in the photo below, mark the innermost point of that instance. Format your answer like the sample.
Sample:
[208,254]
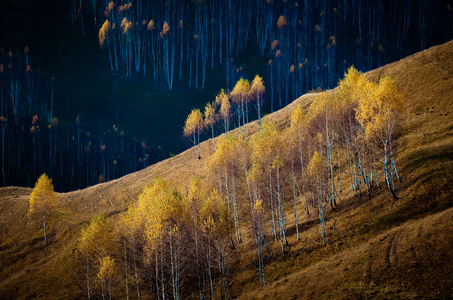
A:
[93,90]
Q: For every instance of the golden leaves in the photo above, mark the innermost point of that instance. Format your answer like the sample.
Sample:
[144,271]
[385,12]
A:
[109,8]
[124,7]
[281,22]
[315,166]
[106,268]
[214,216]
[258,208]
[266,143]
[194,122]
[125,25]
[274,44]
[158,209]
[257,89]
[298,116]
[165,29]
[151,25]
[95,237]
[35,119]
[378,107]
[225,105]
[333,40]
[42,197]
[209,114]
[103,32]
[240,91]
[224,152]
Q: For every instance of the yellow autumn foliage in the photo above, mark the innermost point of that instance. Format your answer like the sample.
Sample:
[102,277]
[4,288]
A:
[298,116]
[215,217]
[106,268]
[194,122]
[160,209]
[266,144]
[315,166]
[95,238]
[257,88]
[103,32]
[378,108]
[281,22]
[225,105]
[43,197]
[240,91]
[209,114]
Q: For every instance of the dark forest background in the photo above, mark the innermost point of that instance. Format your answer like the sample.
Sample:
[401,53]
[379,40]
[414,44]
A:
[84,113]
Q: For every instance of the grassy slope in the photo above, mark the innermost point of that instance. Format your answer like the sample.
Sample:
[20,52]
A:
[376,248]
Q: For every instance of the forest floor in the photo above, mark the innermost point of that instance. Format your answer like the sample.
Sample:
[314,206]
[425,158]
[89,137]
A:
[376,248]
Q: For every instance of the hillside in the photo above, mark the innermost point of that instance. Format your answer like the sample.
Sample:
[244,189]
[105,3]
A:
[378,248]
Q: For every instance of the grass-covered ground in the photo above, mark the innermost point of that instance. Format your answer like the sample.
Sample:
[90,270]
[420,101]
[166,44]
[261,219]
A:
[376,248]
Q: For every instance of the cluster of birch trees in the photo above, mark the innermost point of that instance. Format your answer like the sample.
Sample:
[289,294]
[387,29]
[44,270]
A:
[343,138]
[308,44]
[166,245]
[226,109]
[171,245]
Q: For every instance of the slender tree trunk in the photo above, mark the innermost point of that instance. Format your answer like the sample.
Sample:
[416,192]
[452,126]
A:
[45,234]
[295,201]
[126,276]
[88,277]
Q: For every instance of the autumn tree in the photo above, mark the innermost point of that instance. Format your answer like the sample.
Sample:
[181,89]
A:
[225,109]
[216,227]
[223,164]
[94,245]
[106,275]
[210,117]
[194,202]
[193,128]
[315,171]
[299,128]
[239,96]
[291,162]
[160,211]
[348,126]
[257,222]
[267,154]
[42,200]
[379,115]
[257,93]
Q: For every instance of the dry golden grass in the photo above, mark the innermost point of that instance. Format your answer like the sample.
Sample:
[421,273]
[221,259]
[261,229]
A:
[378,248]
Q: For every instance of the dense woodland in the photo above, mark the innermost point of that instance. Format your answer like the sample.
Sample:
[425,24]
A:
[306,44]
[174,244]
[298,46]
[34,140]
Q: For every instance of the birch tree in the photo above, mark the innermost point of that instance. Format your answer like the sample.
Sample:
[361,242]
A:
[193,128]
[257,93]
[42,200]
[379,115]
